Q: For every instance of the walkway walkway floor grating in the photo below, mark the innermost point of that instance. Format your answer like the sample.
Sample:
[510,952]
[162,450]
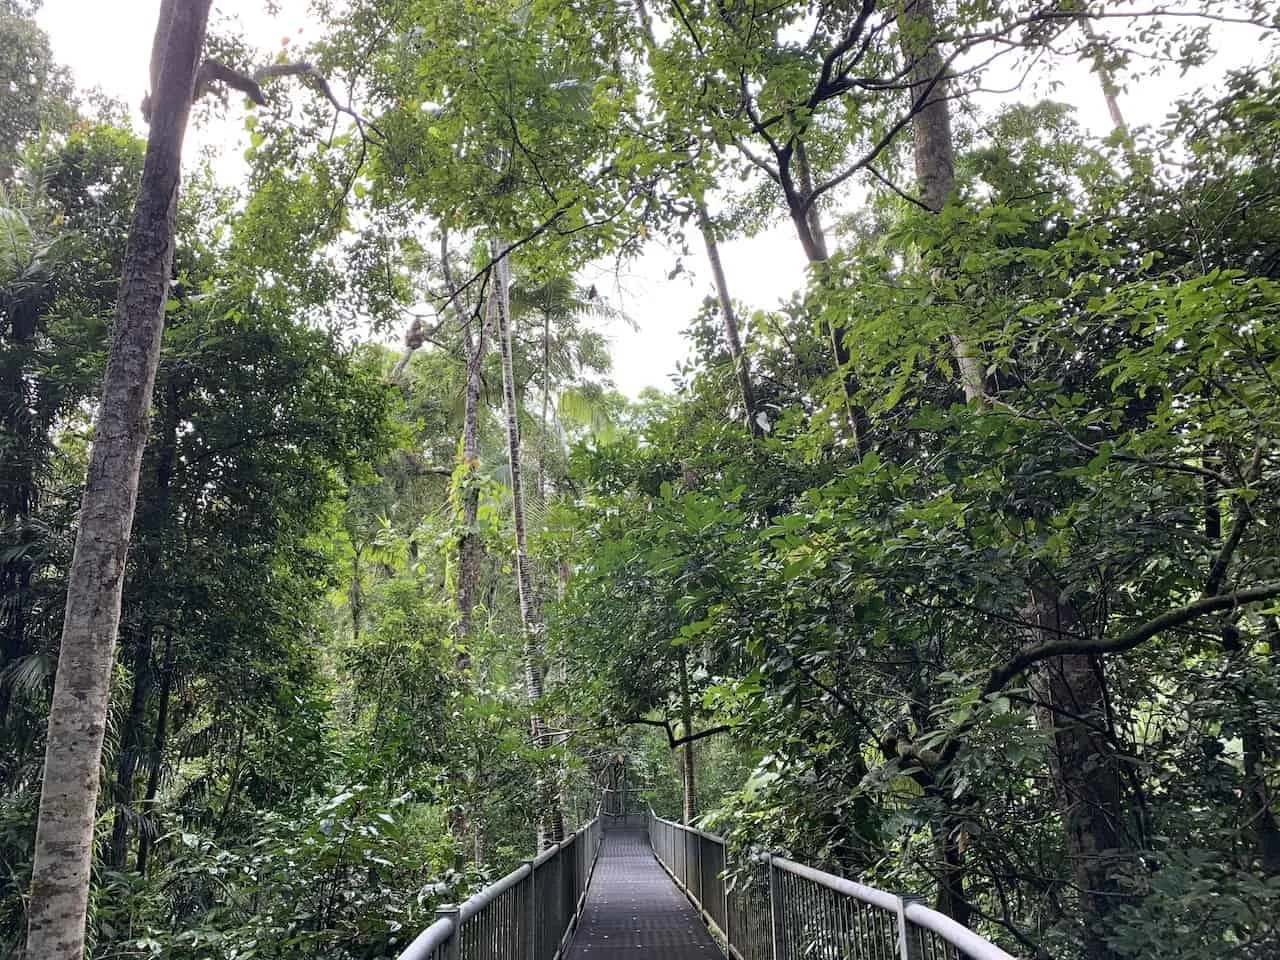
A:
[635,911]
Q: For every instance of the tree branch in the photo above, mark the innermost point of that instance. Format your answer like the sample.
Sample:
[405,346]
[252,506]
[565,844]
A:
[672,740]
[1177,617]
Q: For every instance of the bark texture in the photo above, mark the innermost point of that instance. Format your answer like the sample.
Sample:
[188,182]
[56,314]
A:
[77,718]
[552,816]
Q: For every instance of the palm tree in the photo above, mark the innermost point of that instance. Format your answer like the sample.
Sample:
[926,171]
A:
[30,250]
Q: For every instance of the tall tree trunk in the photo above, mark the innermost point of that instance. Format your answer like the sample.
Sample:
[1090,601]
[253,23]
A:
[470,543]
[1110,92]
[130,737]
[156,760]
[153,521]
[741,367]
[689,799]
[466,826]
[1084,764]
[934,153]
[934,145]
[813,240]
[551,816]
[77,717]
[729,316]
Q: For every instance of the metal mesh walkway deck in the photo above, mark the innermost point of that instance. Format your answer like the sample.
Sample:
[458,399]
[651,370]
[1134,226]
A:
[634,911]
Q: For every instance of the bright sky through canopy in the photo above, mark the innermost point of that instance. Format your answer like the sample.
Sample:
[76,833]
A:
[108,45]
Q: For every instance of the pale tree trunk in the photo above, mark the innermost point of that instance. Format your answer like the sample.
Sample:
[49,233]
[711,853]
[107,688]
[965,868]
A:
[935,146]
[934,151]
[741,367]
[1110,92]
[689,804]
[470,544]
[807,220]
[551,829]
[466,826]
[77,717]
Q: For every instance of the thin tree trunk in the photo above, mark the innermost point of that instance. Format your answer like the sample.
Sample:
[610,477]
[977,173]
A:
[130,736]
[463,823]
[77,717]
[689,804]
[741,366]
[550,813]
[156,760]
[1110,92]
[470,543]
[813,240]
[153,520]
[935,146]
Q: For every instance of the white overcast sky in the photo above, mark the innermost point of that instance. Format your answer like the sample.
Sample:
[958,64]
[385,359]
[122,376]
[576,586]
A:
[107,44]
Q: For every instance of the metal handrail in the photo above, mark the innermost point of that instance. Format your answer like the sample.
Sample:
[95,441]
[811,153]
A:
[778,909]
[529,914]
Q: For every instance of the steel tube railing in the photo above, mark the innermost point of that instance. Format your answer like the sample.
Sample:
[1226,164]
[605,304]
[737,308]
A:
[529,914]
[777,909]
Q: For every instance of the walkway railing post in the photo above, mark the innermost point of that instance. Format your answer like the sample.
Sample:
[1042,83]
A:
[531,913]
[908,941]
[724,887]
[777,910]
[453,946]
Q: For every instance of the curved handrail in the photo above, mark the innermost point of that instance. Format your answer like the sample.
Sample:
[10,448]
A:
[562,869]
[795,913]
[954,933]
[429,940]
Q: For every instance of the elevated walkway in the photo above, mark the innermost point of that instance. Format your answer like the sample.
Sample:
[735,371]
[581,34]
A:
[632,886]
[634,910]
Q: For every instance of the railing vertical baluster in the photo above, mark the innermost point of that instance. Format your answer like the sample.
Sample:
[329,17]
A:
[453,946]
[724,888]
[777,910]
[530,915]
[908,943]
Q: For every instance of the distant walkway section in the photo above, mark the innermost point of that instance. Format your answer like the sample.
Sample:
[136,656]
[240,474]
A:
[635,911]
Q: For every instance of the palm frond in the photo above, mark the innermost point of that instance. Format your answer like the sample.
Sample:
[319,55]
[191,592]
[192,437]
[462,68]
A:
[26,676]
